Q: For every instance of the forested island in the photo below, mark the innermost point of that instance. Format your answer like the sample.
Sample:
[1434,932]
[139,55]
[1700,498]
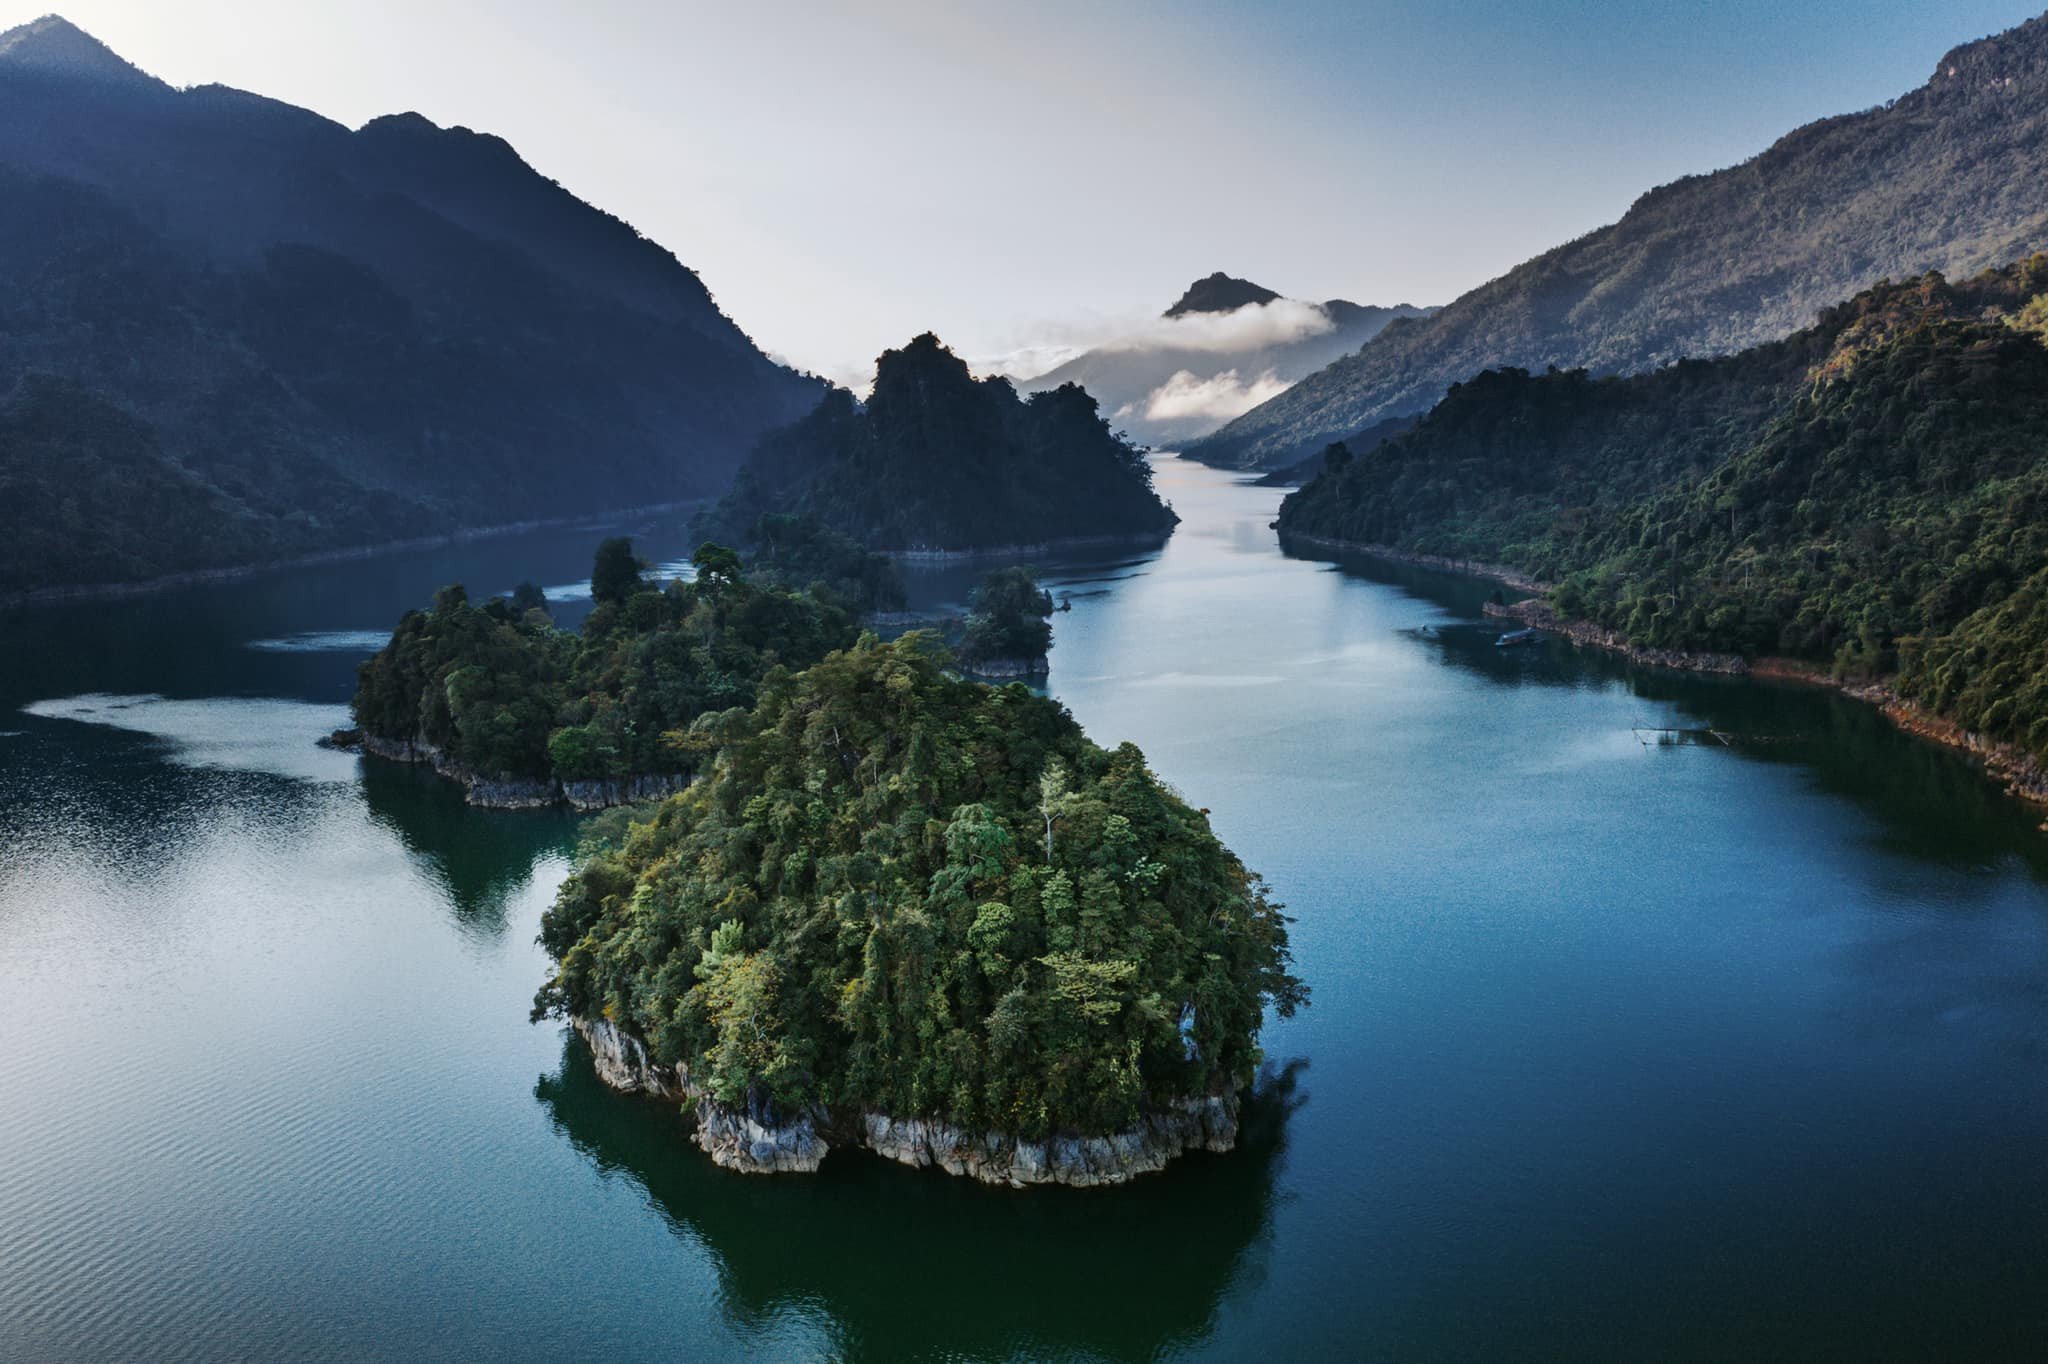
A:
[526,714]
[1868,497]
[914,913]
[939,463]
[1008,629]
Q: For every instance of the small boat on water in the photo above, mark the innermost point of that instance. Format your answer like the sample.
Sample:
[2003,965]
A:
[1518,637]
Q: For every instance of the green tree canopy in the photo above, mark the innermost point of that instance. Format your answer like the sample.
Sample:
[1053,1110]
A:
[940,460]
[1011,617]
[615,574]
[866,904]
[505,693]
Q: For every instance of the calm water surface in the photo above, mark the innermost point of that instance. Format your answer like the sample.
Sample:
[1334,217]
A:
[1619,1051]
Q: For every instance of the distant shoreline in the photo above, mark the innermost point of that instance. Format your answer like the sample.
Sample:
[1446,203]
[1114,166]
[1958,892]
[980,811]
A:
[197,577]
[967,556]
[2025,777]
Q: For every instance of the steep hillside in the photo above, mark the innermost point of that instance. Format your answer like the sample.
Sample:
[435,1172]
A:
[1870,494]
[937,460]
[326,337]
[1952,177]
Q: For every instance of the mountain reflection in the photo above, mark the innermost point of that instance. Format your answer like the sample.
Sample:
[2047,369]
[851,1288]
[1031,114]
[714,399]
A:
[1126,1273]
[1931,804]
[479,858]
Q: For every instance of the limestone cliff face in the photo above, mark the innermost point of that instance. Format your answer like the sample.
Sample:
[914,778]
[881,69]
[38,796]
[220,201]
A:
[753,1143]
[1203,1124]
[764,1143]
[1008,669]
[518,793]
[605,792]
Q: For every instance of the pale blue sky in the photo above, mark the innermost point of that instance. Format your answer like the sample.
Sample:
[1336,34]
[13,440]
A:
[1012,173]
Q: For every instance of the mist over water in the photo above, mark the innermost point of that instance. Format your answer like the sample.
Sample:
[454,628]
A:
[1617,1049]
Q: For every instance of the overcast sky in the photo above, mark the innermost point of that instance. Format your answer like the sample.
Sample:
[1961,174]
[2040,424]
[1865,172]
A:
[845,176]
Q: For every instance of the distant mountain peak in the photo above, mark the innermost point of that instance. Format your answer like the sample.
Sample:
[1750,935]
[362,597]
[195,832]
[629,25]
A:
[55,44]
[1220,293]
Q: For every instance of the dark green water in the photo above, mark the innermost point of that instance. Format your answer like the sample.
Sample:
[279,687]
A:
[1617,1052]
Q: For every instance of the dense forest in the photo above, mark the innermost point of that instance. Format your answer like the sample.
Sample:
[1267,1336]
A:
[937,460]
[1947,177]
[499,690]
[1870,494]
[898,891]
[794,551]
[232,330]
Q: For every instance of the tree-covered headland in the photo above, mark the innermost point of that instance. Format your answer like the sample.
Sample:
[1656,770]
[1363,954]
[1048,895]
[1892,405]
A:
[1869,495]
[939,461]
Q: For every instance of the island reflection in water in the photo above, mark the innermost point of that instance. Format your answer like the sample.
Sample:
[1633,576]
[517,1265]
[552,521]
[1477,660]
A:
[1129,1272]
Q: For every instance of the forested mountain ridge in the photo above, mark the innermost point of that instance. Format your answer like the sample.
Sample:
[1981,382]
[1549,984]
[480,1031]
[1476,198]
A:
[1223,344]
[1952,176]
[939,461]
[325,337]
[1870,494]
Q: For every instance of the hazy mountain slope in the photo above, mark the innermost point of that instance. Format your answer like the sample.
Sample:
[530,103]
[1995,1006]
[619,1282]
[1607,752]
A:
[1220,348]
[341,336]
[1952,176]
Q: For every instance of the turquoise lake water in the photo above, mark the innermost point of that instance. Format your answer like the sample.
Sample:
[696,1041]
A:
[1623,1045]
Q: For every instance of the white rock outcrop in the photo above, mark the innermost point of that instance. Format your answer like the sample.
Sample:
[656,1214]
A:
[771,1143]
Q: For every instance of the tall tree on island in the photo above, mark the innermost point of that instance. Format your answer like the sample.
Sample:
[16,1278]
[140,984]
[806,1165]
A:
[1011,621]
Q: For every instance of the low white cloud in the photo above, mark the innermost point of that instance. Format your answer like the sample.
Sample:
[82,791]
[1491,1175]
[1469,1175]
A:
[1255,325]
[1279,323]
[1042,348]
[1028,361]
[1220,397]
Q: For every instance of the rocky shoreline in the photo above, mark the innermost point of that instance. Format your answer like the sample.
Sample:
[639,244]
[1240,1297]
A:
[2023,776]
[1536,612]
[515,793]
[1008,669]
[1471,568]
[760,1142]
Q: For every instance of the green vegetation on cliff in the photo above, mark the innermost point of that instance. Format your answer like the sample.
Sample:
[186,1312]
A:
[895,890]
[504,693]
[939,460]
[1870,495]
